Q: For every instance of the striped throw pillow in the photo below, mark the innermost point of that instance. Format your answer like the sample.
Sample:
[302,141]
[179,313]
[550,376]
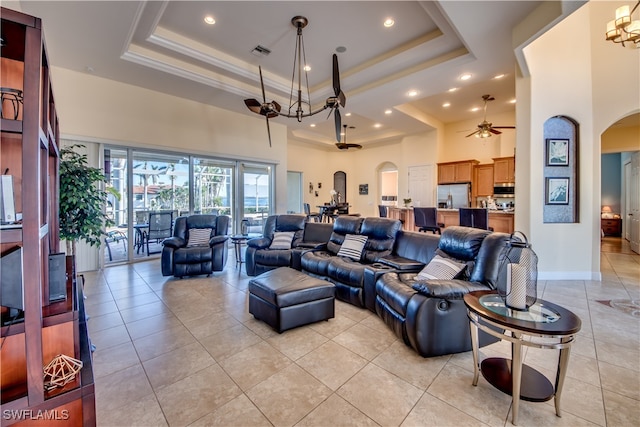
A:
[353,246]
[282,240]
[440,268]
[199,237]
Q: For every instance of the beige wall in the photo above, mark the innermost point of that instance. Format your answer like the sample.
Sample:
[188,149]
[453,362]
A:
[619,139]
[571,75]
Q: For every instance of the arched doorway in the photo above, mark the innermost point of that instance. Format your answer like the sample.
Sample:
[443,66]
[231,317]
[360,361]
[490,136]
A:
[387,184]
[340,185]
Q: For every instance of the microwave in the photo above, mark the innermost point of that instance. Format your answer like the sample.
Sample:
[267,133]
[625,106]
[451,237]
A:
[504,190]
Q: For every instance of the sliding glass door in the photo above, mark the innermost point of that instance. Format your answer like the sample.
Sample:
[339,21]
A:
[256,196]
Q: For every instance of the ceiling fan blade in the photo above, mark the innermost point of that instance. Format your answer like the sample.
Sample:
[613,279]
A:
[253,105]
[264,98]
[342,146]
[495,132]
[336,75]
[268,131]
[471,134]
[503,127]
[358,146]
[338,122]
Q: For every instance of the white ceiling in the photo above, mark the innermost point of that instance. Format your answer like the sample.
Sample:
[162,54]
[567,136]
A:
[166,46]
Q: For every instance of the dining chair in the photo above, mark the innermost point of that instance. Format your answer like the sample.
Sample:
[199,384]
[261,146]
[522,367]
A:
[160,228]
[474,217]
[383,211]
[426,219]
[317,217]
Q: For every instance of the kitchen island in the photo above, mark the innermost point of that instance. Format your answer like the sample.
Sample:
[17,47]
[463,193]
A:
[499,220]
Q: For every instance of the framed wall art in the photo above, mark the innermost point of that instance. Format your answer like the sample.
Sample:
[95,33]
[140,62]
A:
[363,189]
[557,191]
[557,152]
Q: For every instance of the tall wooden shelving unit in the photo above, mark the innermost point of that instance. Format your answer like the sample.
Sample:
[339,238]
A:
[30,150]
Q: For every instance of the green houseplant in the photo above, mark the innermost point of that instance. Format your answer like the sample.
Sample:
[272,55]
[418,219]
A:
[82,201]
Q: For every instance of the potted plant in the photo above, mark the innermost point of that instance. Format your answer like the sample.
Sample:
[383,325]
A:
[406,202]
[82,201]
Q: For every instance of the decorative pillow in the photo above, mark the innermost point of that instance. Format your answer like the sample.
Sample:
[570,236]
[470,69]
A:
[465,274]
[199,237]
[353,246]
[440,268]
[282,240]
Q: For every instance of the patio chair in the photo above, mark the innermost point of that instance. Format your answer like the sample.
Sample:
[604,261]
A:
[160,228]
[115,236]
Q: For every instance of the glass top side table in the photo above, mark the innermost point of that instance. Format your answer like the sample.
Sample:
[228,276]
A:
[556,326]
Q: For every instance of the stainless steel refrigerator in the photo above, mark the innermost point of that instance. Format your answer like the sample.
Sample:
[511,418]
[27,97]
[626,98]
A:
[454,196]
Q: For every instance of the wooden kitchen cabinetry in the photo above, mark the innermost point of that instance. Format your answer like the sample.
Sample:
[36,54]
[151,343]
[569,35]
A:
[30,152]
[483,181]
[456,172]
[504,169]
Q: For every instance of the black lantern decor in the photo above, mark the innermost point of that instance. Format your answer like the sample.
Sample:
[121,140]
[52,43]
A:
[518,274]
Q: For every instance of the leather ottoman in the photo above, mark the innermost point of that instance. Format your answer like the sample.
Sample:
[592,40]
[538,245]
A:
[285,298]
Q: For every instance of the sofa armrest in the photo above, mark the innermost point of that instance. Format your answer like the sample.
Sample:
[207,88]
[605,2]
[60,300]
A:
[216,240]
[447,289]
[401,263]
[175,242]
[311,245]
[259,243]
[371,274]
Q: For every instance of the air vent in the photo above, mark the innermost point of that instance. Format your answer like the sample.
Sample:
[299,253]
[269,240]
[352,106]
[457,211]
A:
[260,50]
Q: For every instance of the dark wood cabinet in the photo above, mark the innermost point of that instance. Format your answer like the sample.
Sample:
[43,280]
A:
[29,152]
[611,226]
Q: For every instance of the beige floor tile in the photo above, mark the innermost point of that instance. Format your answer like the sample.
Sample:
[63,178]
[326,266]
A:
[103,322]
[483,402]
[112,359]
[120,388]
[431,411]
[297,342]
[403,361]
[143,311]
[582,400]
[336,411]
[229,342]
[130,291]
[388,399]
[154,345]
[535,414]
[286,397]
[332,364]
[137,300]
[333,327]
[364,341]
[177,364]
[260,328]
[354,313]
[191,398]
[254,364]
[624,357]
[238,412]
[102,308]
[620,380]
[144,412]
[210,324]
[150,325]
[621,410]
[110,337]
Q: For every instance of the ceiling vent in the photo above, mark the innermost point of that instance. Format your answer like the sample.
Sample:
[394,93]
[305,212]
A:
[260,50]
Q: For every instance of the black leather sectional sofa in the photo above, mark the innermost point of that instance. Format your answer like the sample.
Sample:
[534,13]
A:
[429,315]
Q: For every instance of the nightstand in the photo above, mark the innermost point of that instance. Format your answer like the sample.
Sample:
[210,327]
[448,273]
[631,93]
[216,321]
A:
[611,226]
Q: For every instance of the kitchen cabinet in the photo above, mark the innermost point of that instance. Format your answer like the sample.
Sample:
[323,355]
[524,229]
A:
[498,221]
[483,181]
[456,172]
[611,226]
[504,170]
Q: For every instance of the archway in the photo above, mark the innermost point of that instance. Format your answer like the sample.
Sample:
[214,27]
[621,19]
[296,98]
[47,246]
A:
[387,193]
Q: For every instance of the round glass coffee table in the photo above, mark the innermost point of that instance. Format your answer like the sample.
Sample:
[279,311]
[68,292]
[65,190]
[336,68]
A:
[544,325]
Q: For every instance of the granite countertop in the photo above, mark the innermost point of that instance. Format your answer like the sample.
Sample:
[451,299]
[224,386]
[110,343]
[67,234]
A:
[491,211]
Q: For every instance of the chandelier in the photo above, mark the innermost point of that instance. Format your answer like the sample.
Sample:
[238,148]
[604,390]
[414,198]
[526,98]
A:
[296,102]
[623,29]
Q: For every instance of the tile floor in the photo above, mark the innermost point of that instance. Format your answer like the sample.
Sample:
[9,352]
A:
[187,352]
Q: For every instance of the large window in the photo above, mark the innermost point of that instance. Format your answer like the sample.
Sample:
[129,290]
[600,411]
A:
[142,182]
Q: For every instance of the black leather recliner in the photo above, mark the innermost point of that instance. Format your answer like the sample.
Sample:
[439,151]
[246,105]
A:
[179,259]
[260,258]
[430,315]
[346,273]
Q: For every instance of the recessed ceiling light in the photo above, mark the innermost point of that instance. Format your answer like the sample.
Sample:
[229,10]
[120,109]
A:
[453,89]
[348,114]
[466,76]
[312,125]
[388,111]
[209,20]
[446,104]
[513,101]
[307,68]
[377,125]
[389,22]
[474,109]
[412,93]
[498,76]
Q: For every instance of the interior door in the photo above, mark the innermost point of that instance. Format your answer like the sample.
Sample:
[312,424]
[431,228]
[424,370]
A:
[421,185]
[633,217]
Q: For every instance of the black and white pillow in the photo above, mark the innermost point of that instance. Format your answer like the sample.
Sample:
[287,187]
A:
[282,240]
[199,237]
[353,246]
[440,268]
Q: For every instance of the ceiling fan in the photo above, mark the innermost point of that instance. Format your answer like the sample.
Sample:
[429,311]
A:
[485,129]
[273,109]
[344,145]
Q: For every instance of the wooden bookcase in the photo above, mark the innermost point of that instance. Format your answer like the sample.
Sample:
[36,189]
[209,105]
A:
[29,150]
